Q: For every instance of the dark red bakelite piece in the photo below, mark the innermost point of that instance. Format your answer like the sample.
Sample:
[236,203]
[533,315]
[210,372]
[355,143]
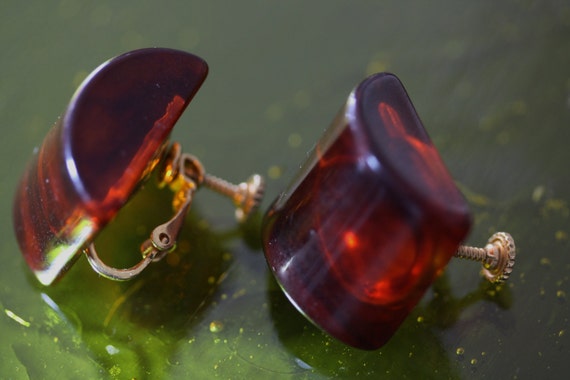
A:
[371,220]
[109,138]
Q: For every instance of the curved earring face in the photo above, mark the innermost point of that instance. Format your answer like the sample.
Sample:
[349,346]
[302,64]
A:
[110,137]
[369,222]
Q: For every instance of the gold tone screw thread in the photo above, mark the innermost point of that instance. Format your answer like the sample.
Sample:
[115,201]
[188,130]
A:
[497,257]
[246,196]
[472,253]
[220,185]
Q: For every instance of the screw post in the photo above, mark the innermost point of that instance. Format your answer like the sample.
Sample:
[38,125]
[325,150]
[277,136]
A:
[180,169]
[497,257]
[246,196]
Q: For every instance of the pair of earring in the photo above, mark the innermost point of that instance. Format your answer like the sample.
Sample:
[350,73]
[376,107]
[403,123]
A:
[360,234]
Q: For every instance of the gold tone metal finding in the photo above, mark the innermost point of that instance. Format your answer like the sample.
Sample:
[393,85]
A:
[246,196]
[498,256]
[183,174]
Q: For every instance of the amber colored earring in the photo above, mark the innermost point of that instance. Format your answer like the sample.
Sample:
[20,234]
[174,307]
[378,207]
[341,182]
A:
[371,220]
[112,135]
[361,233]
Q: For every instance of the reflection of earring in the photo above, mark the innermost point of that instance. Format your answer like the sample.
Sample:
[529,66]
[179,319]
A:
[112,135]
[371,220]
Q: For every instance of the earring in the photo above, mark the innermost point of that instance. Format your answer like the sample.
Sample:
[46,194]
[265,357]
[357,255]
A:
[111,137]
[371,220]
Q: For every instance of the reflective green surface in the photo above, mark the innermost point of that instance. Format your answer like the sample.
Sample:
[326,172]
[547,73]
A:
[491,82]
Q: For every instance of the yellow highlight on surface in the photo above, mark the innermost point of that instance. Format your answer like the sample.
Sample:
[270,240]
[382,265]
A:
[17,318]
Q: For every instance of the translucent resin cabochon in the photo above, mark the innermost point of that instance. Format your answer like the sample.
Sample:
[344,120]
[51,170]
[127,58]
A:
[95,156]
[370,221]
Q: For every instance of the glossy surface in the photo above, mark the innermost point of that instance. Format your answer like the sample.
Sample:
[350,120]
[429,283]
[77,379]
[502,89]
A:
[96,155]
[489,82]
[370,221]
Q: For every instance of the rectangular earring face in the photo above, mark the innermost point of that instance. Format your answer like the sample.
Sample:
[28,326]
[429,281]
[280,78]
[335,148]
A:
[370,223]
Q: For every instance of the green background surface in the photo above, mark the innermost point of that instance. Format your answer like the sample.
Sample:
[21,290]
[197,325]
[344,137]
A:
[491,82]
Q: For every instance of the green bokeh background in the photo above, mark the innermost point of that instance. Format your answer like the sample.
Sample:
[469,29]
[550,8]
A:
[491,82]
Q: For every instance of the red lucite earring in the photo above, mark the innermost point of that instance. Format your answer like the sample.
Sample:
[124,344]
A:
[112,135]
[370,221]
